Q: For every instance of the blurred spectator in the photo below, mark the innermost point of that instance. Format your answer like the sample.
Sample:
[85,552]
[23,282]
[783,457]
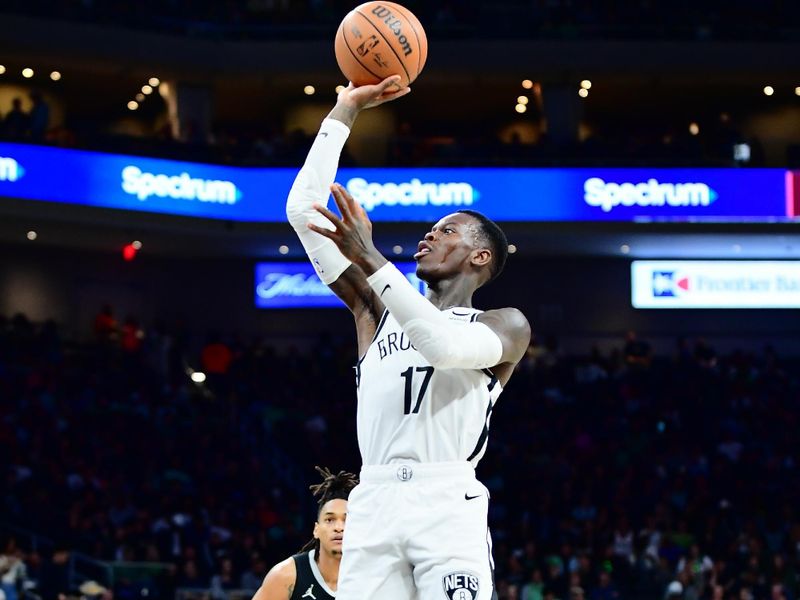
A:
[105,325]
[39,117]
[17,121]
[12,570]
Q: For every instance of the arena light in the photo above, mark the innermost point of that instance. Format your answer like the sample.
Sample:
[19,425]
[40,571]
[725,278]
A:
[309,90]
[55,76]
[796,90]
[32,235]
[522,100]
[512,249]
[2,69]
[769,90]
[625,249]
[128,252]
[586,84]
[583,93]
[137,245]
[521,108]
[154,81]
[283,249]
[133,105]
[527,84]
[198,376]
[339,89]
[694,128]
[397,249]
[147,90]
[140,97]
[27,72]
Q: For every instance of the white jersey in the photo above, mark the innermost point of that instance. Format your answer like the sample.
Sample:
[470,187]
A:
[409,411]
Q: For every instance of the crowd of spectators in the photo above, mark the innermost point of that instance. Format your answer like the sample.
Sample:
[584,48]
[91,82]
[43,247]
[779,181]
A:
[618,476]
[560,19]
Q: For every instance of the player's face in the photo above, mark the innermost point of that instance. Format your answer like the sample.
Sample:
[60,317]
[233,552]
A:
[329,528]
[448,248]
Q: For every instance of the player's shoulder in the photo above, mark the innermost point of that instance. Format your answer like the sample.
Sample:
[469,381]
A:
[283,574]
[512,318]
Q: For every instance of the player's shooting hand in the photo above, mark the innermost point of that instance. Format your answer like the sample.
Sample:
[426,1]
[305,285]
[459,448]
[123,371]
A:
[353,230]
[367,96]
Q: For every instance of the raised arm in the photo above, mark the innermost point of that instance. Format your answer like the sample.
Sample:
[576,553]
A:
[497,338]
[312,186]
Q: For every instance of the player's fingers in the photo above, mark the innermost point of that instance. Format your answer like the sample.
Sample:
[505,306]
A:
[322,231]
[352,205]
[340,197]
[328,214]
[388,82]
[393,95]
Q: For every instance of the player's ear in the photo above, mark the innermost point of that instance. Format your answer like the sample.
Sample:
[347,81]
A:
[481,257]
[316,530]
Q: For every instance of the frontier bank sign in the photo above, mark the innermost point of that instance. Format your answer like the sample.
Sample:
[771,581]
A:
[715,284]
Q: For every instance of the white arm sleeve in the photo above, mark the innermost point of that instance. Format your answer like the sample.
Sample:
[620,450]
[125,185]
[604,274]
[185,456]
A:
[446,344]
[311,185]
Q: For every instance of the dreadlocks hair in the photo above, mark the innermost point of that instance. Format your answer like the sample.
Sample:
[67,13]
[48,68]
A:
[489,233]
[332,487]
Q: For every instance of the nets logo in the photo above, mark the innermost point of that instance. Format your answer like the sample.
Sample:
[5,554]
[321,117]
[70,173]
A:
[667,285]
[461,586]
[609,195]
[411,193]
[10,169]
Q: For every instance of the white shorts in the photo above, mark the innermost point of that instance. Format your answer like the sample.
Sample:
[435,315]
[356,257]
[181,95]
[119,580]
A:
[417,531]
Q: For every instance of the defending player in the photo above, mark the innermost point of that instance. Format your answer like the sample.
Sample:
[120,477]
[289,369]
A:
[313,573]
[430,372]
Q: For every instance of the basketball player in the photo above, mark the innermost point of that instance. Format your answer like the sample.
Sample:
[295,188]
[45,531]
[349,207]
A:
[314,572]
[430,372]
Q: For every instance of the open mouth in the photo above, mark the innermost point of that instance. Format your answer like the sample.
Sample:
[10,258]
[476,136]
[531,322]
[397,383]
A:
[422,250]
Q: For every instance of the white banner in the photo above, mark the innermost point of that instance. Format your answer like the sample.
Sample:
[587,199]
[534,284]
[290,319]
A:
[715,284]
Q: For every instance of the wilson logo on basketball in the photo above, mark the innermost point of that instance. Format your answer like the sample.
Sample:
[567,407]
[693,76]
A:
[395,25]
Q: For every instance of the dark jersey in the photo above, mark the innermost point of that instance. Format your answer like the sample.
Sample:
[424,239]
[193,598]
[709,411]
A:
[309,584]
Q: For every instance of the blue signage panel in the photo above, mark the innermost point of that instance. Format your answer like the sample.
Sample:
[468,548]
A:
[296,285]
[422,195]
[143,184]
[572,194]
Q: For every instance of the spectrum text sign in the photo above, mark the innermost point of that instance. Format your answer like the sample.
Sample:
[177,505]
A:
[418,195]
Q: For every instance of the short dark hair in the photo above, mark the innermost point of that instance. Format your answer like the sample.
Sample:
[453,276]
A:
[491,235]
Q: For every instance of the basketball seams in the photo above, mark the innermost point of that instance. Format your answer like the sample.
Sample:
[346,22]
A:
[357,58]
[407,16]
[385,39]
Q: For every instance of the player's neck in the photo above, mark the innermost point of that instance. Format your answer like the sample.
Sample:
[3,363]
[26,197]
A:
[451,292]
[329,568]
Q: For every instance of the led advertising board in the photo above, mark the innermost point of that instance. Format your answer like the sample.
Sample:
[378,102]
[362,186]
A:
[296,285]
[417,195]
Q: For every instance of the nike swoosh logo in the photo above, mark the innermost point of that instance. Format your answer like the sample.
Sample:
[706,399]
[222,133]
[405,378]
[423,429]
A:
[324,133]
[467,497]
[388,287]
[458,314]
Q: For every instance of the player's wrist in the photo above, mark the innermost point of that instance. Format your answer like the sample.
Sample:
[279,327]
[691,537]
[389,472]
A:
[345,112]
[370,261]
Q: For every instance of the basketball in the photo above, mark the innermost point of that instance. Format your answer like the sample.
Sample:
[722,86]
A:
[379,39]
